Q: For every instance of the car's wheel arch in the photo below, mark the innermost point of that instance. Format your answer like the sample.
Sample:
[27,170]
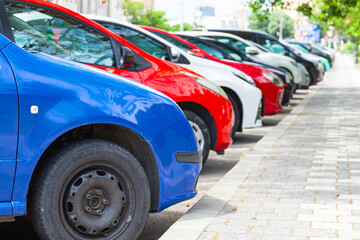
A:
[120,135]
[205,115]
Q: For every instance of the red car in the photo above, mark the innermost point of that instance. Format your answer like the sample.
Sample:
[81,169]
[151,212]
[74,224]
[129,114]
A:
[269,83]
[38,25]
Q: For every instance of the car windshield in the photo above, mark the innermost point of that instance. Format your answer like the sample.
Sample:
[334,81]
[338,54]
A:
[139,39]
[40,30]
[237,44]
[206,47]
[235,56]
[173,40]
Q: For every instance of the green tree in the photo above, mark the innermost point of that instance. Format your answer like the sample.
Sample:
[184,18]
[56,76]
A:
[136,13]
[261,9]
[133,11]
[343,15]
[272,26]
[176,27]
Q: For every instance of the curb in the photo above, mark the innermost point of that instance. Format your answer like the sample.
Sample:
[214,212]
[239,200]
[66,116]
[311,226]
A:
[191,225]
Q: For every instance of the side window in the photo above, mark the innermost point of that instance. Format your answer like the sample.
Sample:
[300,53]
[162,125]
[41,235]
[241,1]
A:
[271,45]
[140,40]
[174,41]
[41,30]
[240,46]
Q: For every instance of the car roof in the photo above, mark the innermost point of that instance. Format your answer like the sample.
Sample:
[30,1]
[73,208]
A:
[206,33]
[132,26]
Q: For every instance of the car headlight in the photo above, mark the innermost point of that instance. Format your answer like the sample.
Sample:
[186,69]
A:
[273,78]
[212,86]
[245,77]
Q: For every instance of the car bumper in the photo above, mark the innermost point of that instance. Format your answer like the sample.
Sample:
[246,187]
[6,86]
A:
[305,82]
[273,95]
[179,164]
[223,118]
[251,101]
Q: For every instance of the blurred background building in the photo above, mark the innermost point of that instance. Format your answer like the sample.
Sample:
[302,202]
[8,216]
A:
[108,8]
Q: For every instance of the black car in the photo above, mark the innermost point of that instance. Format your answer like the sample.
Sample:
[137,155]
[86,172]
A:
[225,51]
[274,45]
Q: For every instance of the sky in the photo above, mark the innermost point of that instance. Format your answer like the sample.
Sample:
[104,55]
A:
[173,7]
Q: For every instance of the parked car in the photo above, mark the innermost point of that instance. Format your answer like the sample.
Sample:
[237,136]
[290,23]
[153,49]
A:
[323,60]
[331,51]
[246,47]
[239,87]
[289,83]
[305,79]
[269,83]
[308,56]
[313,49]
[83,151]
[42,26]
[273,45]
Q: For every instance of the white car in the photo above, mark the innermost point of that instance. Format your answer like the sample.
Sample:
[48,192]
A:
[259,55]
[240,88]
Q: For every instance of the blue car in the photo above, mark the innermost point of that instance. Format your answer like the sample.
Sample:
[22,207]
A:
[86,153]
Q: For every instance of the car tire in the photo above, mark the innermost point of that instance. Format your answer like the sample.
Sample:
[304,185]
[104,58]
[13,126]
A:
[92,189]
[236,115]
[201,131]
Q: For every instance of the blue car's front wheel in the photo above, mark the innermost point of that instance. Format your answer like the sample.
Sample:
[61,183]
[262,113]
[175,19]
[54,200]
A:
[90,190]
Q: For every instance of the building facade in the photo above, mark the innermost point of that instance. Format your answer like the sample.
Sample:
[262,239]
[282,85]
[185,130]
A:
[108,8]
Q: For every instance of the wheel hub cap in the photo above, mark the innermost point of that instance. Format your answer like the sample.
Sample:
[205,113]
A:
[94,202]
[198,135]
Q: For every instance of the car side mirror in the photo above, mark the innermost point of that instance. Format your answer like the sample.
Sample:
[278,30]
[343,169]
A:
[127,56]
[197,53]
[175,54]
[251,51]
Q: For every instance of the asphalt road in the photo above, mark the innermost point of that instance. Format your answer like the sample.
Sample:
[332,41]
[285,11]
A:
[216,167]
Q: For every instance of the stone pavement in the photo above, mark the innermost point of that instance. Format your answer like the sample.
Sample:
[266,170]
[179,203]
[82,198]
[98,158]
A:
[301,181]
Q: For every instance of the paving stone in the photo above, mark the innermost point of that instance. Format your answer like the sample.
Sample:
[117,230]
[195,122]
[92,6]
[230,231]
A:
[304,181]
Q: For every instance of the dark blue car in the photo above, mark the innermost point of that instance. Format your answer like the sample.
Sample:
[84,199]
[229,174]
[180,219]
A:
[87,153]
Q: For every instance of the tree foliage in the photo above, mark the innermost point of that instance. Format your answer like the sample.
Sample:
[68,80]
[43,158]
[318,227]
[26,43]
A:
[272,26]
[176,27]
[137,14]
[343,15]
[261,9]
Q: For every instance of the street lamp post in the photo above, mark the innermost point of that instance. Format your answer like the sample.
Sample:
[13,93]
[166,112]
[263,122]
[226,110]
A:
[151,12]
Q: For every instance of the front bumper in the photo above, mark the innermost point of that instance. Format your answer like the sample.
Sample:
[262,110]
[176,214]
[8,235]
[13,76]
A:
[305,82]
[177,179]
[272,98]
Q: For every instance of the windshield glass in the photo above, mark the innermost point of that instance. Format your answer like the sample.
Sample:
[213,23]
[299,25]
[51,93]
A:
[40,30]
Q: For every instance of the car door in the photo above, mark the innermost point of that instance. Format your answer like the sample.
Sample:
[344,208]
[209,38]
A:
[8,128]
[41,29]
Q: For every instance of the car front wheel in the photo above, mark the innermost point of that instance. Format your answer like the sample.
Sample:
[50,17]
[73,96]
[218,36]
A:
[92,189]
[201,132]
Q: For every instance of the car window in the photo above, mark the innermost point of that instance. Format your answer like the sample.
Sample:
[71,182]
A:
[140,40]
[174,41]
[271,45]
[239,45]
[235,56]
[38,29]
[206,47]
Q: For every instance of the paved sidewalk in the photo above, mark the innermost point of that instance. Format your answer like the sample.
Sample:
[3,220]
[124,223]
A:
[301,181]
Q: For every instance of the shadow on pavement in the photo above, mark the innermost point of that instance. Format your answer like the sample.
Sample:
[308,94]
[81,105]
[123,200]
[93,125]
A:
[21,229]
